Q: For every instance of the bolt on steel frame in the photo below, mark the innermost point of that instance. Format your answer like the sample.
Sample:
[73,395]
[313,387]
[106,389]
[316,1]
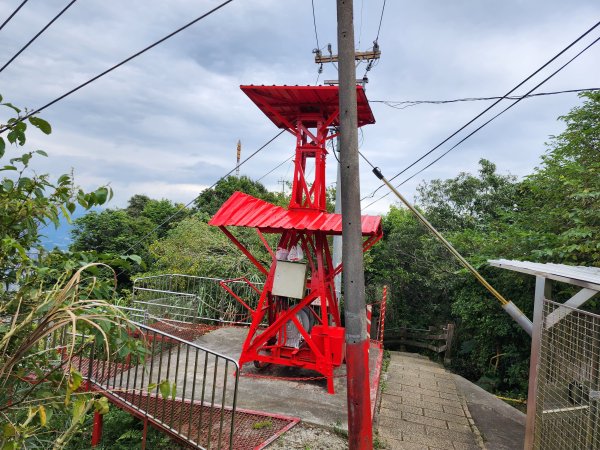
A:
[311,114]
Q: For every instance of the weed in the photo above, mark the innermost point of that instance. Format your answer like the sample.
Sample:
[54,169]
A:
[262,424]
[337,429]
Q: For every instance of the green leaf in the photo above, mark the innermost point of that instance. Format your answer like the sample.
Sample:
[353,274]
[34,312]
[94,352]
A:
[101,405]
[10,445]
[64,179]
[9,168]
[135,258]
[2,147]
[10,105]
[8,185]
[8,430]
[41,124]
[100,195]
[79,409]
[41,152]
[173,390]
[165,388]
[75,380]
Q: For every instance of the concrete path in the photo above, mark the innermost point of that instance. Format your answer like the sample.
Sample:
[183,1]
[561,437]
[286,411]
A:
[501,425]
[421,407]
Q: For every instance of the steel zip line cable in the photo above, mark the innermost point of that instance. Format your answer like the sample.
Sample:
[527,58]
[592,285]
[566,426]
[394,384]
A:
[184,207]
[508,306]
[13,14]
[493,118]
[126,60]
[39,33]
[488,108]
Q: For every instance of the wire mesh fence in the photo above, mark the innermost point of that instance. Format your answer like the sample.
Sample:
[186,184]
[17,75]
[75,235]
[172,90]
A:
[183,299]
[567,412]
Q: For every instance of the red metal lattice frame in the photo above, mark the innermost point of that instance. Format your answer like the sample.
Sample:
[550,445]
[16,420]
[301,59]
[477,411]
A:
[309,113]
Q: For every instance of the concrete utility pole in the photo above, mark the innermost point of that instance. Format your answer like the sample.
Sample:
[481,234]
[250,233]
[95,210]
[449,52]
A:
[337,240]
[357,341]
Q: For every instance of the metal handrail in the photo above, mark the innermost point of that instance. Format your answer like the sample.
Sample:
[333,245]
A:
[191,299]
[182,387]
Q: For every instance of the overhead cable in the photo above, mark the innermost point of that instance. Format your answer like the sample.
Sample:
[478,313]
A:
[188,204]
[39,33]
[490,120]
[380,22]
[315,24]
[126,60]
[13,14]
[488,108]
[275,168]
[408,103]
[507,305]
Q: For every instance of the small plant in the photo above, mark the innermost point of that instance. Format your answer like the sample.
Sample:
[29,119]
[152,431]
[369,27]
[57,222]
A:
[338,430]
[262,424]
[387,357]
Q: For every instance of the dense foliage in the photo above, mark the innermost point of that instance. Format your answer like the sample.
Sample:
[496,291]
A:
[44,295]
[552,215]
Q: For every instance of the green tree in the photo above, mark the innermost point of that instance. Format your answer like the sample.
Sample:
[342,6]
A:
[39,300]
[561,201]
[210,200]
[468,201]
[195,248]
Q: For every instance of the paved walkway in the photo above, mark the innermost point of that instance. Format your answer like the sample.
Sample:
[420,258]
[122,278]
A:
[421,408]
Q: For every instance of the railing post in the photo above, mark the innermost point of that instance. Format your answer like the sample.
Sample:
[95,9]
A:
[542,292]
[449,337]
[97,429]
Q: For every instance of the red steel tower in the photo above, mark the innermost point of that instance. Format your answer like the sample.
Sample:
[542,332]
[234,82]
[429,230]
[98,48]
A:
[298,304]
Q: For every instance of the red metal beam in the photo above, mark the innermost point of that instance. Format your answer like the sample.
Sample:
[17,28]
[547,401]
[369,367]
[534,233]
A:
[244,250]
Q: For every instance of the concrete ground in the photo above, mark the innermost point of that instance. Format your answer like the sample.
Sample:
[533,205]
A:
[422,407]
[307,399]
[501,425]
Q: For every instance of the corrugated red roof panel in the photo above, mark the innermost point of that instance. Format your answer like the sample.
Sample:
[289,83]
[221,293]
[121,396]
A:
[284,104]
[243,210]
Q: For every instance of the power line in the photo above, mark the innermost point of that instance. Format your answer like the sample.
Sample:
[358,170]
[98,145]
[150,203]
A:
[315,24]
[490,120]
[187,205]
[13,14]
[36,36]
[275,168]
[488,108]
[135,55]
[408,103]
[380,21]
[362,4]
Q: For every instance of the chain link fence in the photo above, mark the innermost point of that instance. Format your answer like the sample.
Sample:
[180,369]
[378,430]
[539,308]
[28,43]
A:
[567,412]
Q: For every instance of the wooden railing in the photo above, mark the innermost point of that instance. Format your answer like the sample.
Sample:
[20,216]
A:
[436,339]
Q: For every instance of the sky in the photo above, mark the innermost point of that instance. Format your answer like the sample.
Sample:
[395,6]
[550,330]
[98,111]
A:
[167,123]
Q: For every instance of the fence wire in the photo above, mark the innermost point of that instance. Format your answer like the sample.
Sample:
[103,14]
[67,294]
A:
[175,299]
[568,396]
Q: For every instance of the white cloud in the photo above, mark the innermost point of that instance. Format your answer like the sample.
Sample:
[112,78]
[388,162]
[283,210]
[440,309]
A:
[167,123]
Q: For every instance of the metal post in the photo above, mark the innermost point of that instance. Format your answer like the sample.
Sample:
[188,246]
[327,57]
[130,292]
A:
[337,240]
[357,341]
[542,291]
[97,429]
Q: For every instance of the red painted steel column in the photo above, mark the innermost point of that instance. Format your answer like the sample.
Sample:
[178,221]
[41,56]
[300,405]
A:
[357,341]
[97,429]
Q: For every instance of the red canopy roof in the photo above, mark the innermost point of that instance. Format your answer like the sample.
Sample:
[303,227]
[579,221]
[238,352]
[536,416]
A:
[243,210]
[284,104]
